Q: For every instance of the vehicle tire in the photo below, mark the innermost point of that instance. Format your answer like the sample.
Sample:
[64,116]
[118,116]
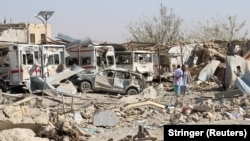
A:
[3,87]
[132,91]
[85,86]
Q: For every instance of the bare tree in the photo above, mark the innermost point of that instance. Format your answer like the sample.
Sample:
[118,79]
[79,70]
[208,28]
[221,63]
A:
[158,29]
[219,29]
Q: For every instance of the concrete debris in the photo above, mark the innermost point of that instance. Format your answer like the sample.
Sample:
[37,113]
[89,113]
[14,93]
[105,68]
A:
[228,94]
[143,103]
[19,134]
[236,114]
[68,89]
[208,71]
[149,93]
[216,97]
[204,106]
[11,111]
[105,118]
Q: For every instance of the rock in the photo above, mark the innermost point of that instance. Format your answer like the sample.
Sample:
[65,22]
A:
[105,118]
[18,134]
[247,115]
[195,117]
[235,101]
[66,138]
[12,111]
[182,119]
[149,93]
[245,102]
[204,106]
[78,118]
[43,118]
[61,118]
[174,118]
[130,99]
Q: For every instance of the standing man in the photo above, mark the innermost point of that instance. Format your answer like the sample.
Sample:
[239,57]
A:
[187,78]
[178,73]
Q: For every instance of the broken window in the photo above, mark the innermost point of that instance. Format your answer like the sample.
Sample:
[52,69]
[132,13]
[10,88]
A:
[4,58]
[24,59]
[30,59]
[111,73]
[111,60]
[103,73]
[135,76]
[53,59]
[122,75]
[143,57]
[50,59]
[101,61]
[123,58]
[56,59]
[36,57]
[86,60]
[72,61]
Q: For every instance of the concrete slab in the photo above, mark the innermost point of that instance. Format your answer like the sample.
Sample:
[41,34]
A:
[208,71]
[228,93]
[105,118]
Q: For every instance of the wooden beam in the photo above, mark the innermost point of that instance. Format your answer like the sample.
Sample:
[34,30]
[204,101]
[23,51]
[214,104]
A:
[24,100]
[142,104]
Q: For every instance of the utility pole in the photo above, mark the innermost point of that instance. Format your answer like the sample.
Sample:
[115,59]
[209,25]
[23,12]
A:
[45,17]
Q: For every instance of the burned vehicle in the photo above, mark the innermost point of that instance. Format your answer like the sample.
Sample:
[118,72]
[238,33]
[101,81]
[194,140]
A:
[114,80]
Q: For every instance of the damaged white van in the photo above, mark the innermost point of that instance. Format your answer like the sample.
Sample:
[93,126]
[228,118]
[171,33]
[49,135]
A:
[140,61]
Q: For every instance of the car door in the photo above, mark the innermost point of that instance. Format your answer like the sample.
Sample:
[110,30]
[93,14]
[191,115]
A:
[104,80]
[121,81]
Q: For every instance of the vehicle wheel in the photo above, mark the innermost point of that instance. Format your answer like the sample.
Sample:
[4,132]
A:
[85,86]
[3,87]
[132,91]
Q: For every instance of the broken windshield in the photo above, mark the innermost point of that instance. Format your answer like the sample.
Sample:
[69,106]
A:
[103,62]
[143,57]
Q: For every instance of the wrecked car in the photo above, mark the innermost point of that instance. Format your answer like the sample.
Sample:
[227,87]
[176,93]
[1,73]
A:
[117,80]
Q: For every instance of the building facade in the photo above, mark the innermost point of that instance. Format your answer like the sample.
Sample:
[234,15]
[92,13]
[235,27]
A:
[24,33]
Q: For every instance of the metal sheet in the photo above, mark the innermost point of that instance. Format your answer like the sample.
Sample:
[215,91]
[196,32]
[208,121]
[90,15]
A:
[208,71]
[57,78]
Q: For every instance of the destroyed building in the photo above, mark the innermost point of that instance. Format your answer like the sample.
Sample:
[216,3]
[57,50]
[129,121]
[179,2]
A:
[24,33]
[60,113]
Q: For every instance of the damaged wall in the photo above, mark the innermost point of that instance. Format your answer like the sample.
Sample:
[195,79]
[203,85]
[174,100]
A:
[14,35]
[181,55]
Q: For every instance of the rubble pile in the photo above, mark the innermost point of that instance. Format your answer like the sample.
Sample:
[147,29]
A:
[107,117]
[91,120]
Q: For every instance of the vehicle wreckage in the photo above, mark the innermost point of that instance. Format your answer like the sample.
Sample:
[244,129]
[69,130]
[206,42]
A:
[117,80]
[32,68]
[41,69]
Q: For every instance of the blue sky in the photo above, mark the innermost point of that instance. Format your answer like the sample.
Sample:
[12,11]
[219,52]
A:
[106,20]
